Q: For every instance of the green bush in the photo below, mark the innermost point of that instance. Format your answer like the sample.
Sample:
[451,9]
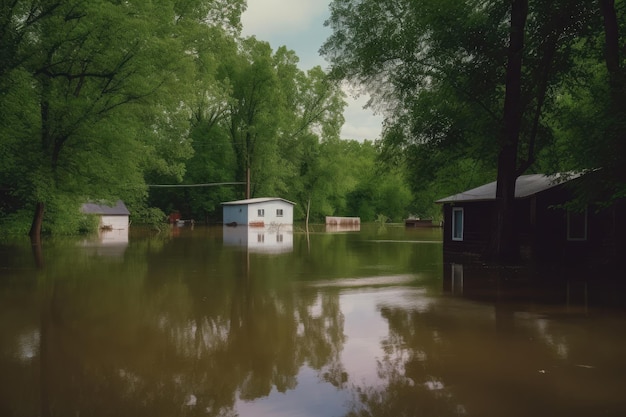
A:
[149,216]
[16,224]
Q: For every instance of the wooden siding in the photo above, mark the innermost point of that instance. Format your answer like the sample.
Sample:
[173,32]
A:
[248,214]
[541,222]
[114,222]
[476,224]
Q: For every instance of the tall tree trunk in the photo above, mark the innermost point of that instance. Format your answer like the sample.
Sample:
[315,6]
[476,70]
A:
[35,228]
[248,182]
[308,212]
[616,131]
[504,244]
[611,34]
[35,235]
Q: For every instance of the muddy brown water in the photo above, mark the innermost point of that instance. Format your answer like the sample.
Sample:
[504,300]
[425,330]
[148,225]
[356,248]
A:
[234,322]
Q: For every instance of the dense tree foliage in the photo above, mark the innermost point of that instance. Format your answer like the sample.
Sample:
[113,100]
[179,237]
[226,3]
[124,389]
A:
[91,99]
[591,122]
[481,87]
[102,100]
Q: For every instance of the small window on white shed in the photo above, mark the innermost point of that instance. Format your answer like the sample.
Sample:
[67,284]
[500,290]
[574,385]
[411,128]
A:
[261,212]
[457,223]
[279,212]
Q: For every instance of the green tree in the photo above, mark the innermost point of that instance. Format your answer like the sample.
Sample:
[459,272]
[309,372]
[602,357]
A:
[463,77]
[315,114]
[323,178]
[254,110]
[253,105]
[593,128]
[381,190]
[277,112]
[93,96]
[207,108]
[18,24]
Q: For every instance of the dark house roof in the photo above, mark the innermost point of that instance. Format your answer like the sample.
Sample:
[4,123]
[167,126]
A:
[525,186]
[119,209]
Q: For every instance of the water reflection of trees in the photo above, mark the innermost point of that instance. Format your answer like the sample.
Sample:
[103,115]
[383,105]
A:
[153,336]
[410,371]
[520,350]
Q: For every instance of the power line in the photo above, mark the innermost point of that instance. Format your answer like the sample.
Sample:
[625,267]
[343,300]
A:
[212,184]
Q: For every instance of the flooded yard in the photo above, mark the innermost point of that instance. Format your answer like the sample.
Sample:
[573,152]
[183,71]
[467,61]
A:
[275,322]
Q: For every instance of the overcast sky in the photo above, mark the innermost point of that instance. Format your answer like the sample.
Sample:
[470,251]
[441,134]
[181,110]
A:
[299,25]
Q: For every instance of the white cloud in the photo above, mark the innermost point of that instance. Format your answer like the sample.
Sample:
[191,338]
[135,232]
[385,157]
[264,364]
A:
[266,18]
[361,123]
[361,132]
[298,24]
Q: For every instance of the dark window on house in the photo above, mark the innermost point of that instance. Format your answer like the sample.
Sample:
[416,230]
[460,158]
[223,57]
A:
[279,238]
[260,238]
[279,212]
[577,225]
[261,212]
[457,223]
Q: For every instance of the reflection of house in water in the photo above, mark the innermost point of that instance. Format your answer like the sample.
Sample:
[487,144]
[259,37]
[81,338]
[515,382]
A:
[527,289]
[342,224]
[111,243]
[456,278]
[268,239]
[338,228]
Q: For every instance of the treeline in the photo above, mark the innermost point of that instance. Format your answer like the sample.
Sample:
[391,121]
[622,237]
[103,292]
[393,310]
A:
[100,99]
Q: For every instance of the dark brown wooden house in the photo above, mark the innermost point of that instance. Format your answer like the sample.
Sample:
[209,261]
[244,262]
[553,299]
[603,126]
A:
[546,230]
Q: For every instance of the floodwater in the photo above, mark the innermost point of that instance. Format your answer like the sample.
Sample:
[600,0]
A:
[231,322]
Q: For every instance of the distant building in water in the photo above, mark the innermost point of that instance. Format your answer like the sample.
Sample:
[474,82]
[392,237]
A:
[258,212]
[112,217]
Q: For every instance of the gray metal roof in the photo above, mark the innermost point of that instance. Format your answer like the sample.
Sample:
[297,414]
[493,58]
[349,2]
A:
[525,186]
[119,209]
[256,201]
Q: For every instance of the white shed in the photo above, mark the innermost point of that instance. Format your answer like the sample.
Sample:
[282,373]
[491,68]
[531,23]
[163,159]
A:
[258,212]
[113,217]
